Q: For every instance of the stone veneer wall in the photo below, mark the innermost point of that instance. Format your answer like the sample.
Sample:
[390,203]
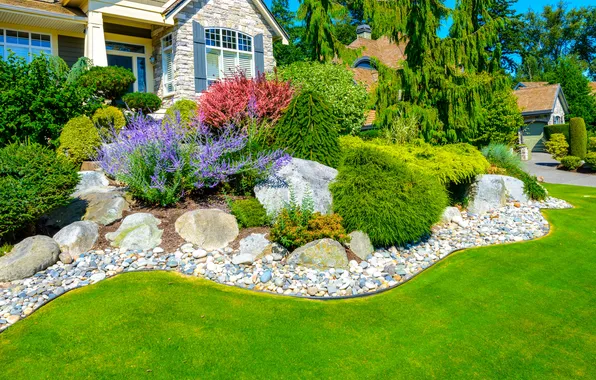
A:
[241,15]
[558,111]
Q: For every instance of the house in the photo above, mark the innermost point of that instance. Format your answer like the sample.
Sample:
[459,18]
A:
[592,88]
[540,104]
[364,67]
[175,48]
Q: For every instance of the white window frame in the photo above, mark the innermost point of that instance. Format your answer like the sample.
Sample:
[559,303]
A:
[134,56]
[237,51]
[167,49]
[6,45]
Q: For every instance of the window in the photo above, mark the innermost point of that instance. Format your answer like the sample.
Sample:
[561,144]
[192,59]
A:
[24,44]
[167,54]
[228,51]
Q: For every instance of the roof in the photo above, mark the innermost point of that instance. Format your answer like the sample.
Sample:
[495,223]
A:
[370,118]
[539,99]
[43,8]
[367,77]
[387,52]
[592,87]
[532,84]
[175,6]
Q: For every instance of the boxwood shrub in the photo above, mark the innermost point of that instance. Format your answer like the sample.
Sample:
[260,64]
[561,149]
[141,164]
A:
[591,160]
[186,108]
[33,181]
[144,102]
[571,162]
[249,212]
[376,193]
[108,120]
[550,130]
[79,140]
[110,82]
[578,137]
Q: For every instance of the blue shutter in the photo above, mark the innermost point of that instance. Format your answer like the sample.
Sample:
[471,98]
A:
[259,54]
[198,37]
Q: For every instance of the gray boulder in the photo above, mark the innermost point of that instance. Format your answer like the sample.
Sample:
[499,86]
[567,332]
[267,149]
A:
[208,229]
[77,238]
[301,177]
[30,256]
[251,247]
[487,193]
[515,189]
[91,181]
[137,231]
[453,215]
[275,250]
[360,244]
[321,254]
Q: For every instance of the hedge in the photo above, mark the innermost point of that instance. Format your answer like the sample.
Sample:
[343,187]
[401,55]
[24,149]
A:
[550,130]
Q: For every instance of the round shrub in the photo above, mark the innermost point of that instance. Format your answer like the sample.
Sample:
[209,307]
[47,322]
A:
[186,108]
[591,160]
[592,144]
[293,230]
[144,102]
[571,162]
[578,137]
[307,130]
[33,181]
[108,120]
[79,140]
[110,82]
[335,83]
[557,146]
[249,212]
[378,194]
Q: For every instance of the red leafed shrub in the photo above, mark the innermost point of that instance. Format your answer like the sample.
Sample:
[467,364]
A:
[233,99]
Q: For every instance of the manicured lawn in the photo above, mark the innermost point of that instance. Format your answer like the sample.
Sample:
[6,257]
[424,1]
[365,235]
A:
[525,310]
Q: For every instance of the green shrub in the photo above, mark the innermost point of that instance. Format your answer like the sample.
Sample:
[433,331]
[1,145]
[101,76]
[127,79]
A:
[38,98]
[550,130]
[591,160]
[501,156]
[402,129]
[33,181]
[79,140]
[571,162]
[557,146]
[592,144]
[249,212]
[376,193]
[108,120]
[110,82]
[186,108]
[531,186]
[144,102]
[578,137]
[334,83]
[451,164]
[306,130]
[370,134]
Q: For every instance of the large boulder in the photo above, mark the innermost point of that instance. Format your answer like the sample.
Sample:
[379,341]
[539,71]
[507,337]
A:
[209,229]
[487,193]
[30,256]
[360,244]
[300,177]
[320,254]
[91,181]
[137,231]
[77,238]
[515,189]
[251,247]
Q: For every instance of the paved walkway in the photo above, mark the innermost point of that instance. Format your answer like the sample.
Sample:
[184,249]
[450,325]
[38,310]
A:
[542,164]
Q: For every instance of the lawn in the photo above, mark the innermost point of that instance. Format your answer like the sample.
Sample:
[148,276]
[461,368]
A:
[525,310]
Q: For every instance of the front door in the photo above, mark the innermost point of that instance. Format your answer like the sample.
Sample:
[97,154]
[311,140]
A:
[122,61]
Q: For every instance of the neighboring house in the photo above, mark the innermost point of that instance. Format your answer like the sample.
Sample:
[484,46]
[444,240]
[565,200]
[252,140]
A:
[382,49]
[592,87]
[540,104]
[175,48]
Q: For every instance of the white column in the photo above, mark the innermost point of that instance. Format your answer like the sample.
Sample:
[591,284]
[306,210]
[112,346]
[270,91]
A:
[95,43]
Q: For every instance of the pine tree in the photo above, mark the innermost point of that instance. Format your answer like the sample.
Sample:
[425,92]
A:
[320,34]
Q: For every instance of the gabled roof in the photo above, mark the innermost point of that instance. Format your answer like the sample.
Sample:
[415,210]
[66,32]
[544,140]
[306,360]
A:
[43,9]
[540,99]
[172,8]
[387,52]
[368,78]
[530,85]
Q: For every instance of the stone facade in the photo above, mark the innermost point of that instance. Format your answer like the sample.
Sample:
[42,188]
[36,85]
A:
[557,111]
[240,15]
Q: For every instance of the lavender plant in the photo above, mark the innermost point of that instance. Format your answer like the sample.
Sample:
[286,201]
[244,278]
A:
[162,162]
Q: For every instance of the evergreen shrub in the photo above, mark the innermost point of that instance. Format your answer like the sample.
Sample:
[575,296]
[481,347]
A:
[79,140]
[591,160]
[377,193]
[109,82]
[186,108]
[144,102]
[571,162]
[107,119]
[578,137]
[33,181]
[307,131]
[249,212]
[550,130]
[557,146]
[592,144]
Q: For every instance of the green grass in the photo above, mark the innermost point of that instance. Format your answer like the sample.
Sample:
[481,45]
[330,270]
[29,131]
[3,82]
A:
[524,310]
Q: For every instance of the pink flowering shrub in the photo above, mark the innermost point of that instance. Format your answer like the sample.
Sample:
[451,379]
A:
[232,100]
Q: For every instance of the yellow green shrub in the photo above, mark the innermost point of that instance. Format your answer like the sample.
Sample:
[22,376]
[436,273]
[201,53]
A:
[108,118]
[79,140]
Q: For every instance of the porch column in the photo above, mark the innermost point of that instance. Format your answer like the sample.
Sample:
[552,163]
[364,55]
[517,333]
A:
[95,43]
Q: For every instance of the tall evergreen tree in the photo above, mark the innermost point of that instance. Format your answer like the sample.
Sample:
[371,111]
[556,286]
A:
[320,34]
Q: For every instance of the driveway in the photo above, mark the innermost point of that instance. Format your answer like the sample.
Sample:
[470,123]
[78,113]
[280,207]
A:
[543,165]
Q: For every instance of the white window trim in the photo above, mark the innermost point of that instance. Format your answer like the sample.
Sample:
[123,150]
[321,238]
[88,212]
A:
[164,65]
[134,62]
[7,45]
[237,51]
